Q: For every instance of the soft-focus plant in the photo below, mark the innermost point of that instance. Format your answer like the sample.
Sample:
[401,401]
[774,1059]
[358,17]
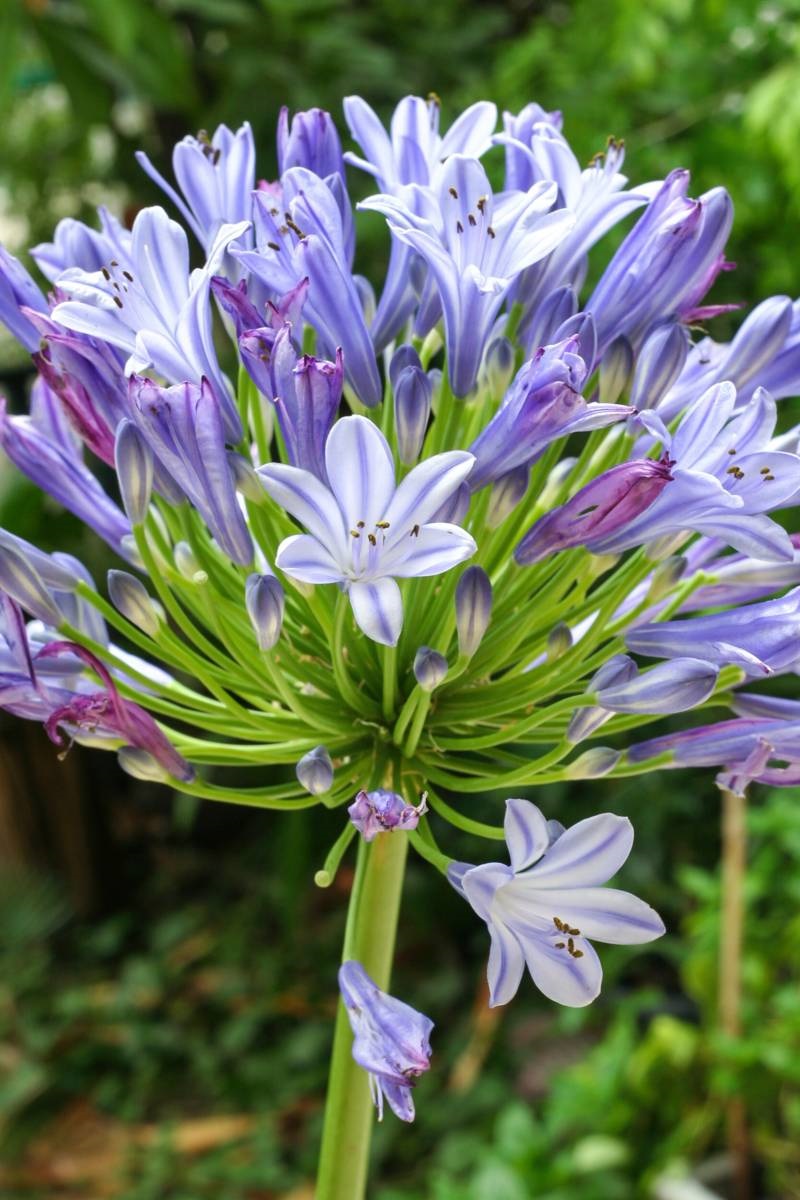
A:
[442,537]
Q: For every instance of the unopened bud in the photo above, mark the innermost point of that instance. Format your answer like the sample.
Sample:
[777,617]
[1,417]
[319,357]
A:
[559,641]
[593,764]
[404,356]
[430,668]
[186,560]
[24,584]
[141,765]
[506,494]
[581,326]
[315,771]
[134,463]
[264,600]
[659,363]
[412,409]
[130,597]
[539,327]
[499,365]
[666,575]
[615,370]
[473,609]
[245,479]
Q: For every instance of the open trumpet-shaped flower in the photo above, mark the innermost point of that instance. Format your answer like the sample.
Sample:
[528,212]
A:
[475,247]
[543,909]
[391,1040]
[364,532]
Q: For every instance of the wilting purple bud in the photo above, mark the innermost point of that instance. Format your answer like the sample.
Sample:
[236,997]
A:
[538,327]
[506,494]
[264,601]
[18,291]
[498,365]
[133,459]
[384,812]
[412,408]
[391,1040]
[604,506]
[430,668]
[559,641]
[130,597]
[473,609]
[315,771]
[404,356]
[20,579]
[309,140]
[659,363]
[616,368]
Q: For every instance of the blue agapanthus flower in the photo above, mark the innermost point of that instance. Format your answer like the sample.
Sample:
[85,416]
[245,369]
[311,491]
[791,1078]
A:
[465,527]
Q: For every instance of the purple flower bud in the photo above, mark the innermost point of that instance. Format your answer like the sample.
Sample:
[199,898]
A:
[559,641]
[498,365]
[264,600]
[391,1040]
[593,764]
[539,325]
[20,579]
[186,560]
[581,326]
[384,812]
[245,478]
[141,765]
[404,356]
[665,576]
[506,494]
[669,687]
[605,505]
[134,463]
[659,363]
[430,668]
[309,140]
[412,408]
[315,771]
[18,291]
[130,597]
[473,609]
[616,368]
[618,671]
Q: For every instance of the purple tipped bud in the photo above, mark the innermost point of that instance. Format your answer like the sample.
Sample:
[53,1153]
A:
[384,812]
[506,494]
[669,687]
[315,771]
[539,326]
[245,479]
[264,600]
[473,609]
[559,641]
[404,356]
[759,339]
[391,1040]
[618,670]
[412,409]
[130,597]
[430,668]
[309,140]
[660,362]
[499,365]
[604,506]
[615,370]
[20,579]
[134,463]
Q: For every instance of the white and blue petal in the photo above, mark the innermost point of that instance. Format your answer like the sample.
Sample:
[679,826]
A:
[586,854]
[526,833]
[506,964]
[378,609]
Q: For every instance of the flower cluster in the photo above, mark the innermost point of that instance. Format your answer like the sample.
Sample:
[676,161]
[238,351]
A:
[436,533]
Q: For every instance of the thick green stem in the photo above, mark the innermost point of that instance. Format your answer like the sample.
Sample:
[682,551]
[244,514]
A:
[370,935]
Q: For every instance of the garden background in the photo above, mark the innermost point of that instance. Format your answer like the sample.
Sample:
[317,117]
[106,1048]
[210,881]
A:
[167,967]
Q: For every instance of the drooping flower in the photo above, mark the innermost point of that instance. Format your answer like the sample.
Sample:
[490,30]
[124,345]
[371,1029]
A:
[475,246]
[364,532]
[544,908]
[382,811]
[391,1040]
